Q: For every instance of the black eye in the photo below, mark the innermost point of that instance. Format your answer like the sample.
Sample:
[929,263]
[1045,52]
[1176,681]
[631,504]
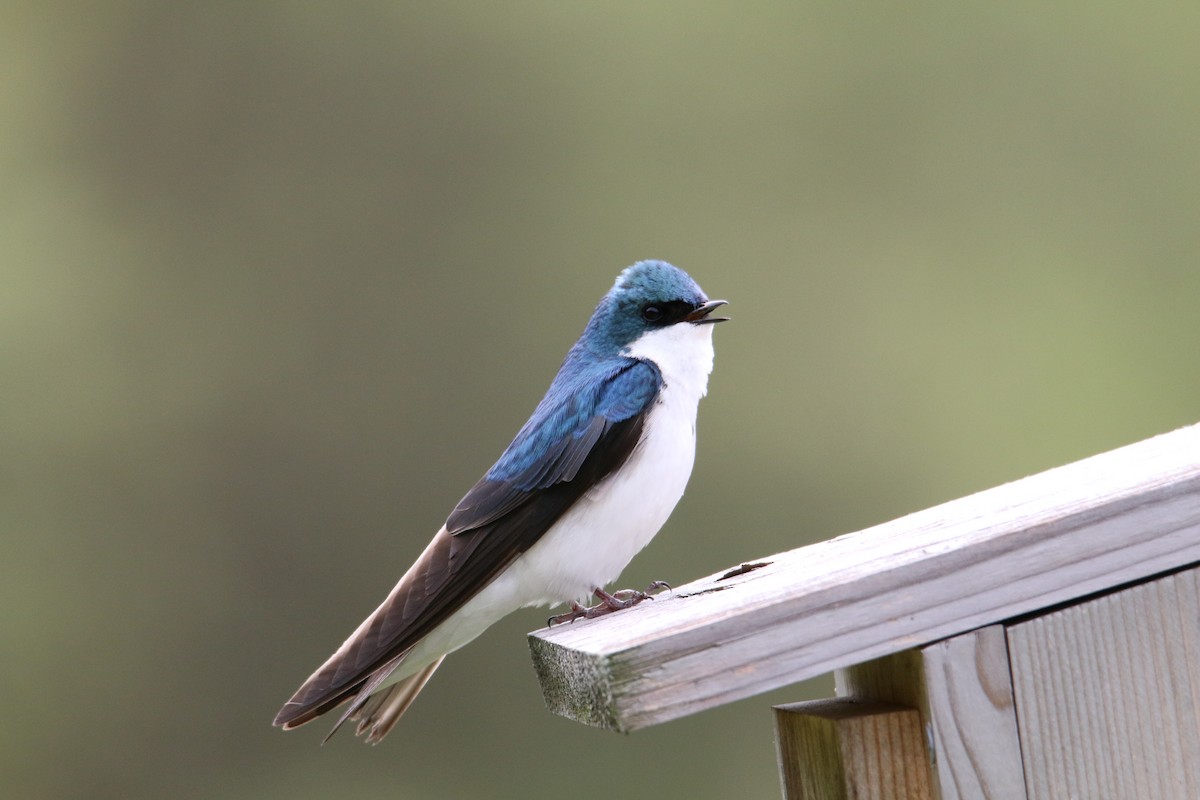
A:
[651,313]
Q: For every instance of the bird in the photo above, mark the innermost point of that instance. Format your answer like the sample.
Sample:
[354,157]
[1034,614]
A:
[585,484]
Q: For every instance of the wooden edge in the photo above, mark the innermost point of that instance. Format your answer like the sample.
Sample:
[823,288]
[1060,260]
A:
[1051,538]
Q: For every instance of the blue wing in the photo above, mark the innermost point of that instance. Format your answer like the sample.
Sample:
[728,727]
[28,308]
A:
[574,424]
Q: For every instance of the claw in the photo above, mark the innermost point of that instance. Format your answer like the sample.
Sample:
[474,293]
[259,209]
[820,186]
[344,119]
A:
[623,598]
[575,613]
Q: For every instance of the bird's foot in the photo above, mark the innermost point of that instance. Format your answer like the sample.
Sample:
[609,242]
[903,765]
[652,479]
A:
[623,598]
[577,611]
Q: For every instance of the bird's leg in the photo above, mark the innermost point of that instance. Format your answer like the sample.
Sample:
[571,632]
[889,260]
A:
[624,598]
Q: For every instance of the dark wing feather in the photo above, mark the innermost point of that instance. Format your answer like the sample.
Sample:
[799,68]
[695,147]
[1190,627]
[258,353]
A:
[497,521]
[492,498]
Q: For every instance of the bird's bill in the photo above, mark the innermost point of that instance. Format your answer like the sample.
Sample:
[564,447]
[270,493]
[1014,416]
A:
[700,316]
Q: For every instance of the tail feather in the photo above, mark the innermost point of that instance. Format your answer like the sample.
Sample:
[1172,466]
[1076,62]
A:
[362,696]
[376,718]
[377,710]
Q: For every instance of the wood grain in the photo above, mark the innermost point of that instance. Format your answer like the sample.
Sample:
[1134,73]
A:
[1108,695]
[963,690]
[1043,540]
[848,750]
[895,678]
[969,699]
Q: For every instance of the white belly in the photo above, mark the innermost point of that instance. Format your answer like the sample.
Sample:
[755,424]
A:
[608,526]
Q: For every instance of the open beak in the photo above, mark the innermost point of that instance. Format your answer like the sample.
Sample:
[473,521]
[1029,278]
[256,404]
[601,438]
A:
[700,316]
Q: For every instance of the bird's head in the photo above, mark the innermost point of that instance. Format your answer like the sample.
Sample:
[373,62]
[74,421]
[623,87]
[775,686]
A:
[647,297]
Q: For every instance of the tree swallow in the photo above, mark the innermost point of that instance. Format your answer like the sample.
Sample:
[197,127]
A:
[584,486]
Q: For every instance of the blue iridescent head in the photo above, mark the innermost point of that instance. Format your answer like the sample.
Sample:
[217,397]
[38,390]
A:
[648,296]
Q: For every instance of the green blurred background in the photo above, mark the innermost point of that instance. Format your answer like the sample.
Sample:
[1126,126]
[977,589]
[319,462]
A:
[280,280]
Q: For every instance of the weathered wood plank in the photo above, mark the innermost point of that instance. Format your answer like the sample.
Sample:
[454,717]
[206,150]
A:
[847,750]
[963,690]
[969,693]
[972,562]
[1108,694]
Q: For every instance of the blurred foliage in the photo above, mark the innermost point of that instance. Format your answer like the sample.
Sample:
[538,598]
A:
[281,279]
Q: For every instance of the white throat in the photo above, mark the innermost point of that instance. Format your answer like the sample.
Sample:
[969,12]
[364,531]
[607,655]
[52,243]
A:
[683,353]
